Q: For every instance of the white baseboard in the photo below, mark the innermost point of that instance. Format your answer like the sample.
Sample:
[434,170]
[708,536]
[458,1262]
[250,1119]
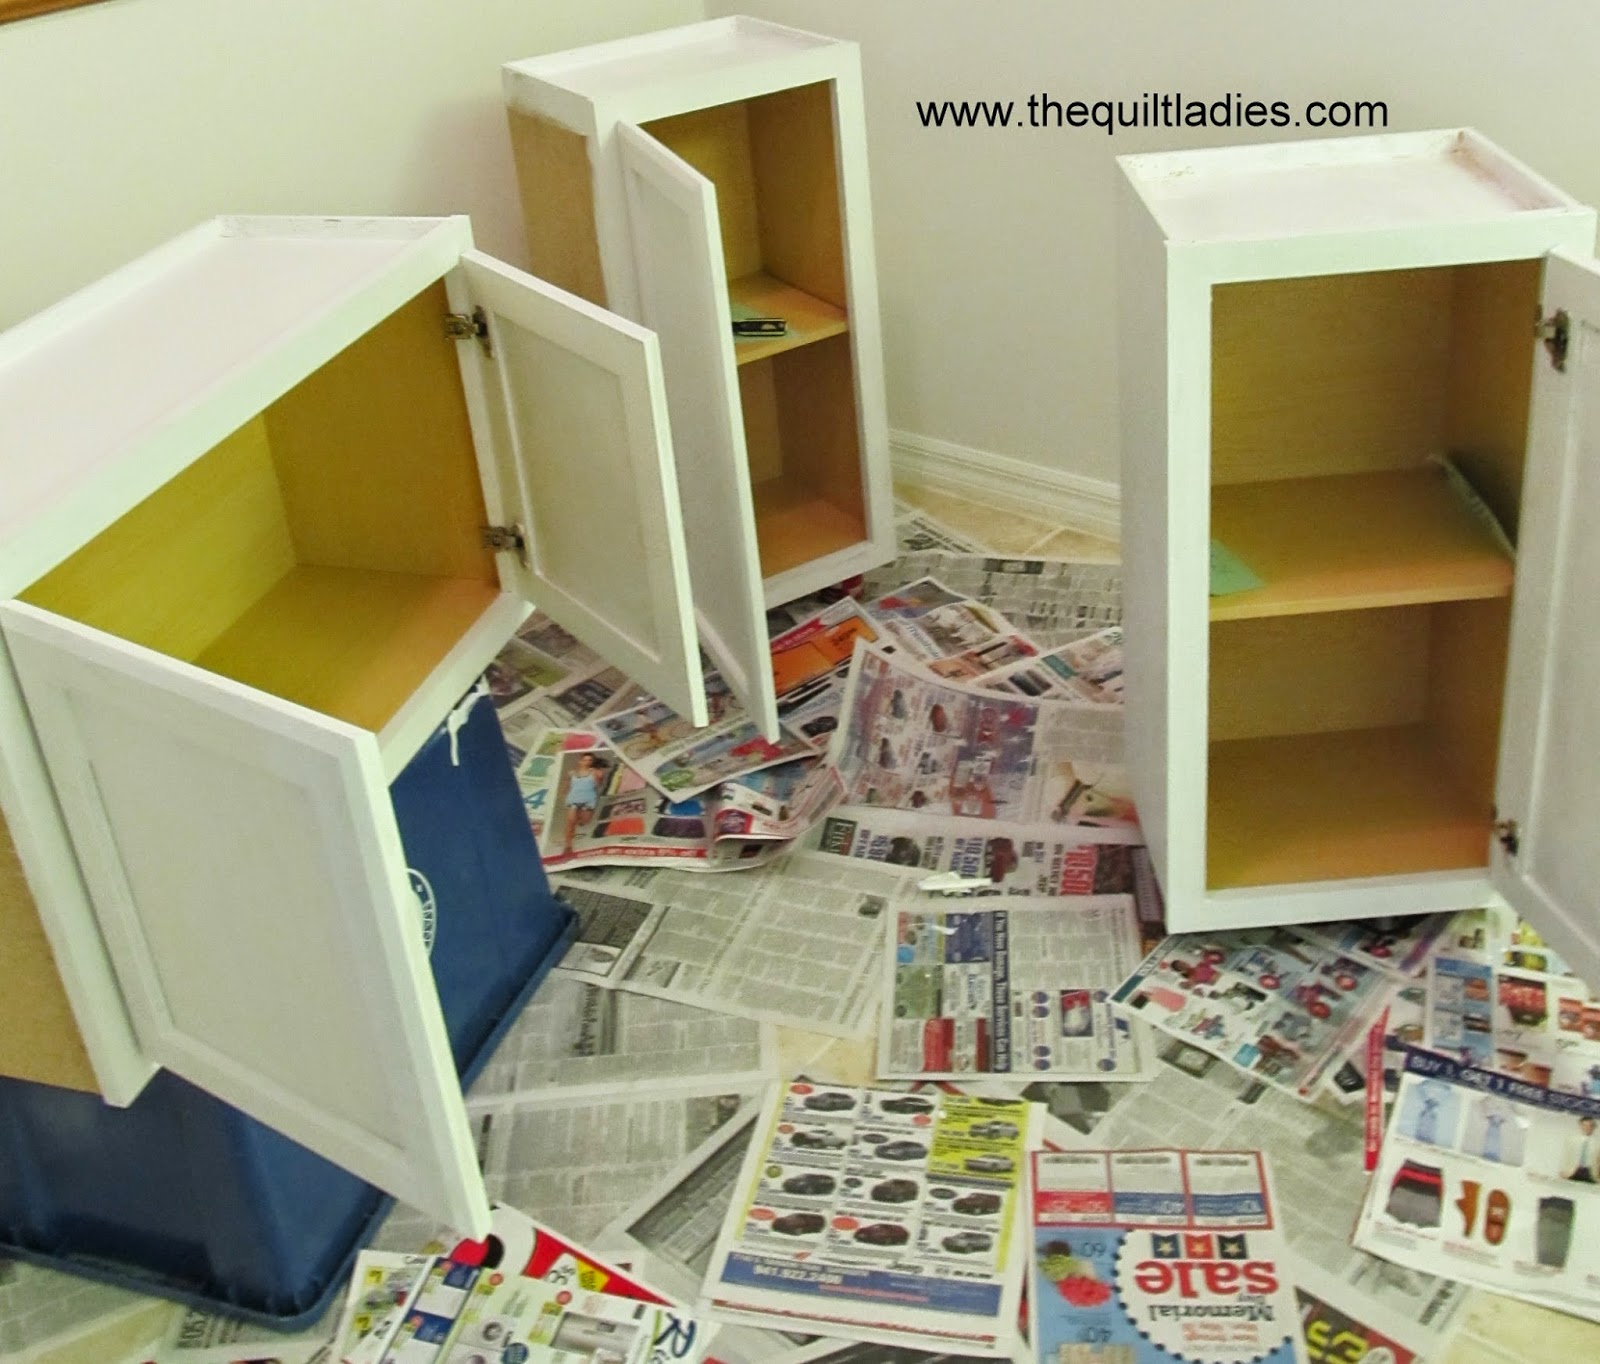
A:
[1090,505]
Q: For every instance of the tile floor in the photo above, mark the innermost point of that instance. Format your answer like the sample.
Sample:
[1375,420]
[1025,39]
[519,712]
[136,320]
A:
[1497,1330]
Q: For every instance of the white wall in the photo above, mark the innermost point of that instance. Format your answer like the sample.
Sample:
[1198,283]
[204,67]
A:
[996,248]
[125,122]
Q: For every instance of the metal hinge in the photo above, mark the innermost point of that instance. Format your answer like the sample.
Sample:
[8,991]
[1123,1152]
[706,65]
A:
[506,540]
[469,327]
[1506,831]
[1555,331]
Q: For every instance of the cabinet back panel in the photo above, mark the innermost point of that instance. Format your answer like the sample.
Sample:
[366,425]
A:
[1316,807]
[805,453]
[1466,689]
[179,568]
[1328,374]
[556,187]
[1334,670]
[716,142]
[797,189]
[39,1040]
[375,457]
[1491,377]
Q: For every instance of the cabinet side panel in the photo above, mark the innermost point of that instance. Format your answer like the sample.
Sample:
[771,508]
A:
[1490,381]
[797,188]
[1466,692]
[1142,376]
[39,1039]
[175,572]
[556,185]
[375,457]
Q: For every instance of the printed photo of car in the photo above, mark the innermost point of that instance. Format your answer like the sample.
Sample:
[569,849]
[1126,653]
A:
[812,1183]
[967,1242]
[994,1129]
[829,1103]
[893,1191]
[798,1224]
[903,1150]
[977,1204]
[818,1141]
[989,1165]
[906,1103]
[883,1234]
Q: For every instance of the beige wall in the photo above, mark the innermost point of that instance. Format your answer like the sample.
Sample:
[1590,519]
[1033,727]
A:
[125,122]
[996,248]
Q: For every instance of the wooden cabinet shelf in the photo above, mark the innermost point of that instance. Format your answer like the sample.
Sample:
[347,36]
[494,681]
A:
[1350,541]
[809,318]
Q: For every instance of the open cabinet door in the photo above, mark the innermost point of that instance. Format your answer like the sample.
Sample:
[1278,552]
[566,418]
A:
[245,867]
[573,410]
[1547,861]
[683,297]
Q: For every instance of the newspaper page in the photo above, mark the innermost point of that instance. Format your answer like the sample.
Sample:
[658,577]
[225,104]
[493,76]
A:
[795,943]
[578,1038]
[382,1284]
[879,1215]
[1271,1001]
[920,530]
[1051,601]
[587,807]
[670,1236]
[954,637]
[577,1164]
[994,858]
[198,1336]
[912,742]
[40,1307]
[1403,1016]
[1141,1257]
[809,663]
[1490,1180]
[1315,1153]
[1400,947]
[1008,988]
[1339,1328]
[680,760]
[1088,669]
[1536,1027]
[511,1317]
[544,678]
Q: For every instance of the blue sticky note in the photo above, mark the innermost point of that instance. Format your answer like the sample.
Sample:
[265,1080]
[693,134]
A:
[1229,573]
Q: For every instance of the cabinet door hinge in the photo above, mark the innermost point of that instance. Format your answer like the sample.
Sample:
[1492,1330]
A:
[1555,331]
[473,326]
[506,539]
[1510,839]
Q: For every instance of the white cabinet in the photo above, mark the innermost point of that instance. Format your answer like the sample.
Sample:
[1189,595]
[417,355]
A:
[1402,714]
[247,564]
[693,178]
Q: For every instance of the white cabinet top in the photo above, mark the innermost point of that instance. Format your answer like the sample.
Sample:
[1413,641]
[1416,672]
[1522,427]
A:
[1404,180]
[691,67]
[111,391]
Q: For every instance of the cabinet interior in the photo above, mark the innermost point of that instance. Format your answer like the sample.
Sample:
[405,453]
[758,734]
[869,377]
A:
[327,551]
[772,159]
[1355,696]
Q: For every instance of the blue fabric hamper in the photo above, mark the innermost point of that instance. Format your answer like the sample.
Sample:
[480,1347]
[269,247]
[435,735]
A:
[181,1194]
